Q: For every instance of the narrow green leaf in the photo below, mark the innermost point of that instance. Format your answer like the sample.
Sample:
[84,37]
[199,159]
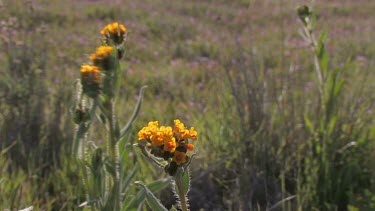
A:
[309,124]
[137,108]
[4,151]
[126,202]
[136,201]
[322,37]
[372,131]
[139,198]
[186,180]
[338,88]
[127,180]
[322,52]
[335,84]
[158,185]
[152,201]
[186,165]
[14,195]
[113,199]
[324,59]
[332,124]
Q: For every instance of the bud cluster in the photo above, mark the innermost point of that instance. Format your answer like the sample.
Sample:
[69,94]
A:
[104,60]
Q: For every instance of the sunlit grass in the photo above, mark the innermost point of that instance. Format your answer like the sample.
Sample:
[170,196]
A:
[186,62]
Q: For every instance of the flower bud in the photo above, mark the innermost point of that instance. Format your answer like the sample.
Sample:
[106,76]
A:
[304,13]
[179,157]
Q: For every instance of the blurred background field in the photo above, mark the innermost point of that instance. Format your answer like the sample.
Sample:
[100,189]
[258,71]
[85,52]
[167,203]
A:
[238,71]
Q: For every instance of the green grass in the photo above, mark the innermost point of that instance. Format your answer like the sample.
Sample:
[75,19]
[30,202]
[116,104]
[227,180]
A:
[253,137]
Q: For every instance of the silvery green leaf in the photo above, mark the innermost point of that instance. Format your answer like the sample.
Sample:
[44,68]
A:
[152,201]
[137,108]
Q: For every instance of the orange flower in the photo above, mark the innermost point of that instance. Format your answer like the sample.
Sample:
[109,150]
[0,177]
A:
[101,53]
[170,145]
[113,28]
[115,32]
[193,134]
[90,79]
[90,74]
[183,133]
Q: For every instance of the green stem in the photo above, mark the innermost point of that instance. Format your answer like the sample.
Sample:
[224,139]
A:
[181,192]
[314,46]
[113,153]
[82,157]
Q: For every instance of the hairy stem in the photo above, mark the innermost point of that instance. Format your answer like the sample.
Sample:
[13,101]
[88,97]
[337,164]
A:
[181,192]
[113,153]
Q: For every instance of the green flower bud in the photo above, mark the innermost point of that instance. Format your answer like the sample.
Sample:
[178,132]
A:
[304,13]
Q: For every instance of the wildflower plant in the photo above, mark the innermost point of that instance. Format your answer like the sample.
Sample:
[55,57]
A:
[326,182]
[103,173]
[167,147]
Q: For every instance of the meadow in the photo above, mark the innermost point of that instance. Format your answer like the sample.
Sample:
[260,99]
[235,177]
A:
[283,107]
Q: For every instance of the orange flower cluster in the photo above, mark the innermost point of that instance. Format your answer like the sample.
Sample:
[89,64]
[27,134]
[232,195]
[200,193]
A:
[169,143]
[102,58]
[115,32]
[90,79]
[101,52]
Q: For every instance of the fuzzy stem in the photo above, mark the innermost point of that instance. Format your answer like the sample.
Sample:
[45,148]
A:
[181,193]
[113,153]
[84,168]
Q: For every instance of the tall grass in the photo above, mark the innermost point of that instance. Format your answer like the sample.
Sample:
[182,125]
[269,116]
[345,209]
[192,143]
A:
[33,123]
[285,121]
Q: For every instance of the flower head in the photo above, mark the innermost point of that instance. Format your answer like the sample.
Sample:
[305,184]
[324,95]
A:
[146,132]
[182,132]
[101,52]
[90,79]
[114,32]
[169,143]
[102,57]
[193,134]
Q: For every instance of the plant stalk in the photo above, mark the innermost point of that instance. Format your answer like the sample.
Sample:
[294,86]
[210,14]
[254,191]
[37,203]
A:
[181,192]
[113,153]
